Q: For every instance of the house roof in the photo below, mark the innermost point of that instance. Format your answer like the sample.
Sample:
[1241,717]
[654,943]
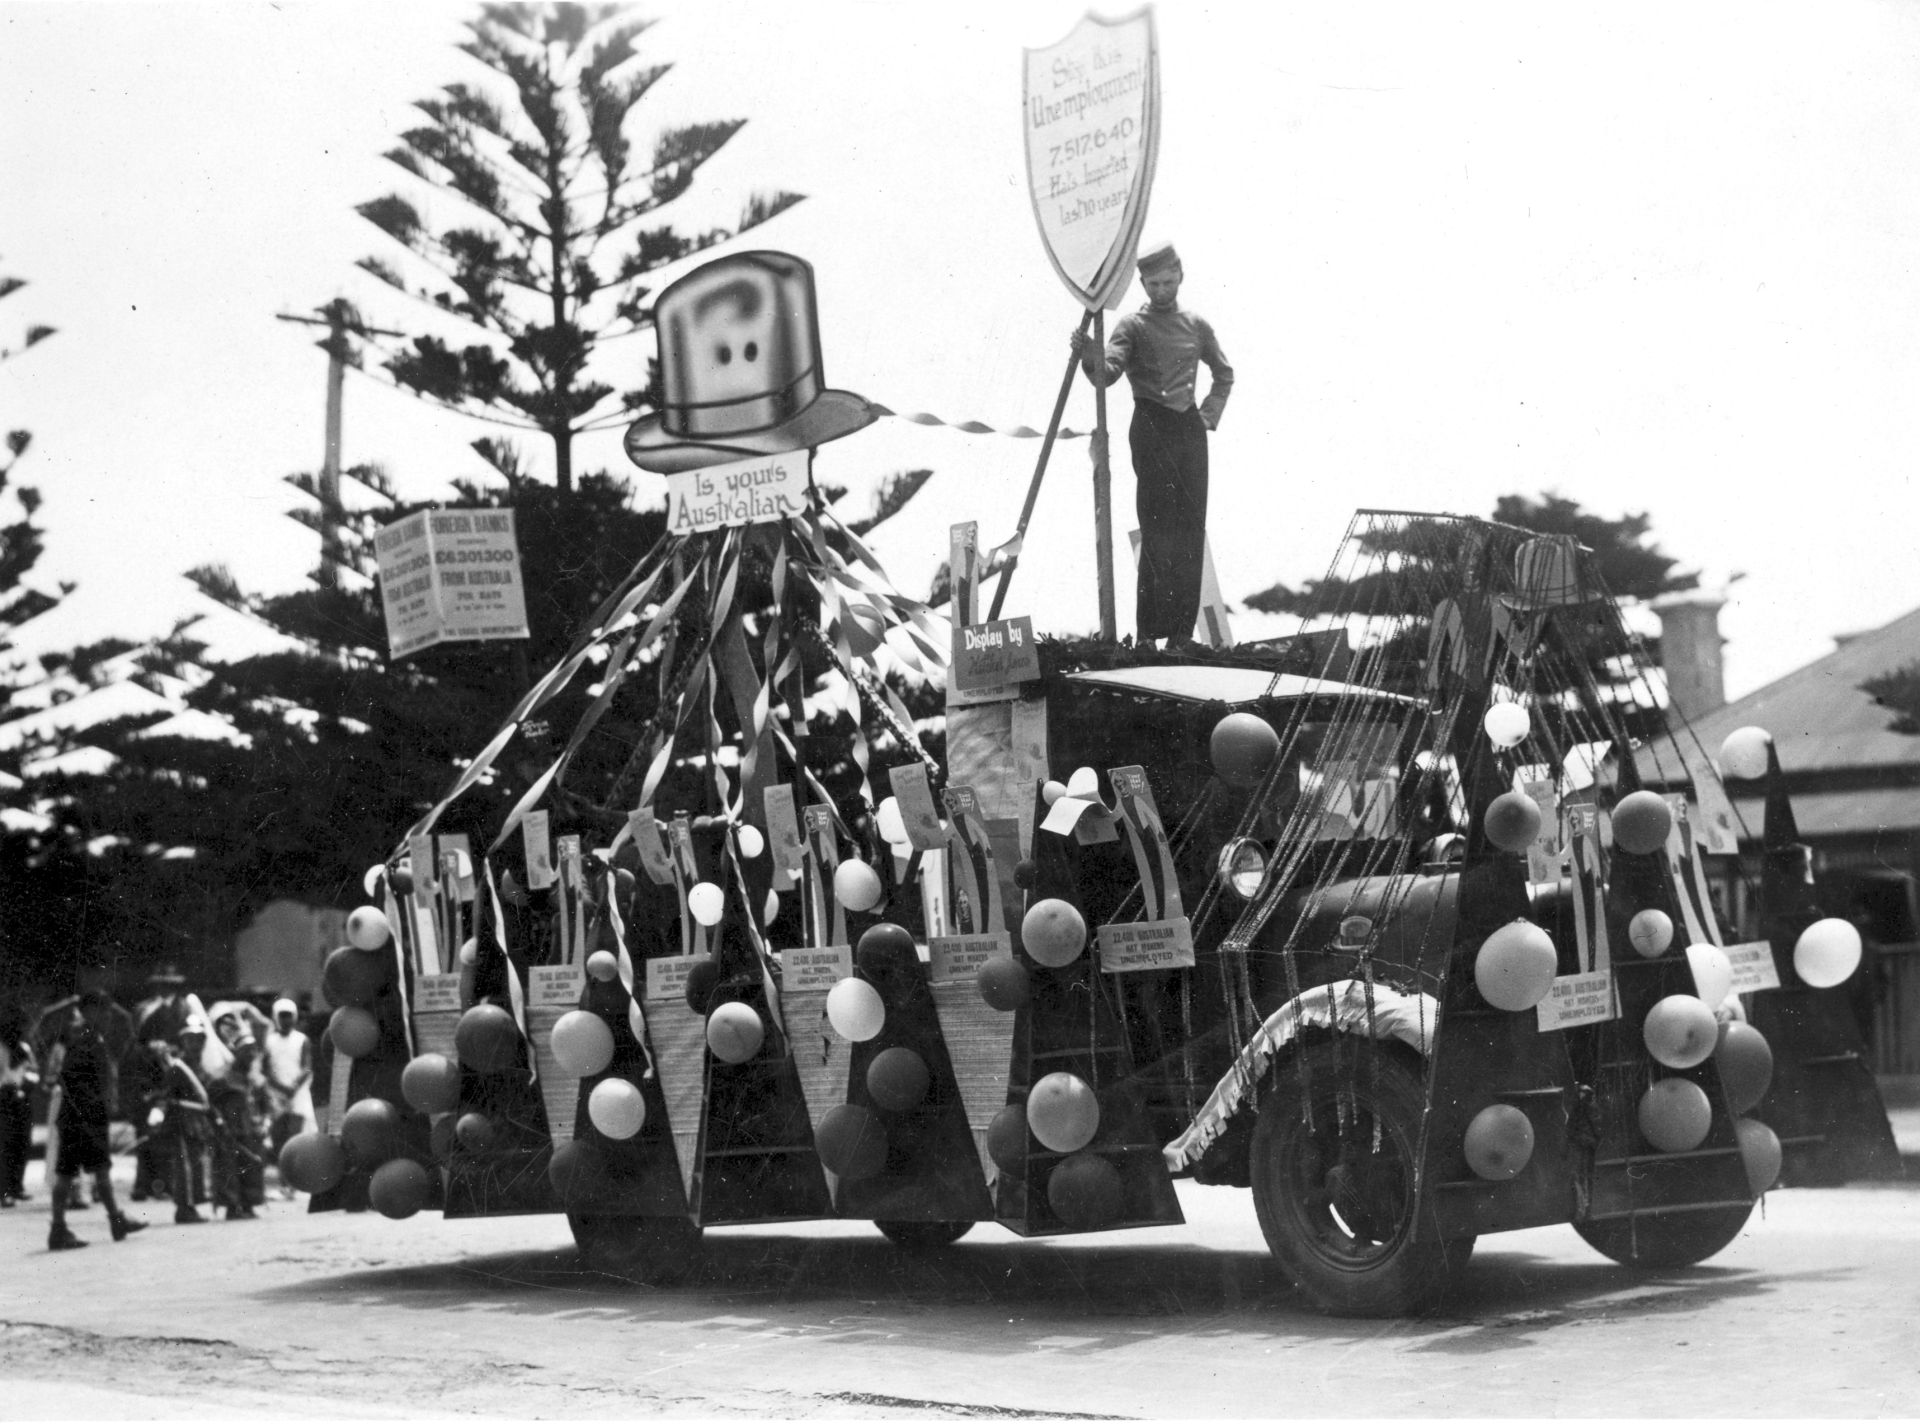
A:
[1820,718]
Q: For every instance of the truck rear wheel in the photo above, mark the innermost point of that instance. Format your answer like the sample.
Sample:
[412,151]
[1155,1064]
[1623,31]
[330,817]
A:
[1337,1212]
[1666,1241]
[642,1249]
[923,1234]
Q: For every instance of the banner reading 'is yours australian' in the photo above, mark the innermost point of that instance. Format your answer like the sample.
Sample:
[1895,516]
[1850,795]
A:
[1092,122]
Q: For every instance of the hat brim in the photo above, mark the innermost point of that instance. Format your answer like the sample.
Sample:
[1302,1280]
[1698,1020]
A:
[830,416]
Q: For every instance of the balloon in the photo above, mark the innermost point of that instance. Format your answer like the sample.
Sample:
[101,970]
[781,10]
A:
[1513,822]
[367,929]
[1003,984]
[1515,966]
[887,817]
[854,1009]
[1680,1031]
[577,1172]
[857,886]
[1499,1142]
[1746,1066]
[750,840]
[617,1109]
[1053,932]
[375,876]
[400,1188]
[1650,931]
[898,1079]
[353,1031]
[707,904]
[1743,753]
[770,909]
[702,980]
[582,1044]
[885,947]
[511,893]
[1760,1149]
[1242,748]
[624,884]
[487,1039]
[1052,791]
[852,1142]
[1640,822]
[1007,1140]
[603,966]
[1712,972]
[1085,1191]
[475,1132]
[430,1083]
[1675,1115]
[1506,724]
[313,1163]
[865,630]
[352,978]
[400,880]
[370,1131]
[1827,952]
[1062,1111]
[470,952]
[1026,873]
[735,1033]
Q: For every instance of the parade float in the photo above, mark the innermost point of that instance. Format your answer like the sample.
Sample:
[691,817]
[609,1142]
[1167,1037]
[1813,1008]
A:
[1378,921]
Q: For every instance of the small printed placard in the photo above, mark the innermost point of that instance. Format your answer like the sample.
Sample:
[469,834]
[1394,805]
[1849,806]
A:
[534,832]
[555,986]
[337,1093]
[436,992]
[1577,1000]
[655,861]
[1753,969]
[995,652]
[785,844]
[915,796]
[420,859]
[815,969]
[667,976]
[958,959]
[1146,946]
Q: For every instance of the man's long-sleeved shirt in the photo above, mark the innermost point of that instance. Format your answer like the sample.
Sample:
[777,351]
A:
[1161,353]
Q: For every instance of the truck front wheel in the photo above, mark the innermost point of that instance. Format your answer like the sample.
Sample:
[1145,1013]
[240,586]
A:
[1333,1160]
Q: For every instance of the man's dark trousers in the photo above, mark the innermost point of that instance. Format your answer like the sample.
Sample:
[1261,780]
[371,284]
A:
[1170,499]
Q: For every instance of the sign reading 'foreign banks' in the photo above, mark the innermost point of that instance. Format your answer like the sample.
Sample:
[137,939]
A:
[450,575]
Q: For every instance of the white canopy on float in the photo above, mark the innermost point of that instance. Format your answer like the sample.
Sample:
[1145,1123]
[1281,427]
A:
[1226,684]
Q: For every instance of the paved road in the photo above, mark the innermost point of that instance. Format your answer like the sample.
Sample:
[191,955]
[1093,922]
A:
[1812,1312]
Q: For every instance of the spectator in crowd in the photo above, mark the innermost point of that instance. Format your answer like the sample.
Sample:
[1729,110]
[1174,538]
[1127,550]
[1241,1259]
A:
[177,1121]
[231,1095]
[19,1074]
[164,1009]
[79,1116]
[289,1072]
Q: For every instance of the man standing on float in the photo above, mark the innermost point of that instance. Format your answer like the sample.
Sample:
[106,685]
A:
[1160,348]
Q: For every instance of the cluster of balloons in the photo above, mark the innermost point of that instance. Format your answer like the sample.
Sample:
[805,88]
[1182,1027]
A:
[1062,1113]
[1515,966]
[853,1140]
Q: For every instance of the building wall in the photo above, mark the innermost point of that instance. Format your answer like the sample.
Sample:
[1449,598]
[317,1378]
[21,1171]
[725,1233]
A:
[284,948]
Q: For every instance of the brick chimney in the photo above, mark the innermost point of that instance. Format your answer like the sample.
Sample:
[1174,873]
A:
[1690,651]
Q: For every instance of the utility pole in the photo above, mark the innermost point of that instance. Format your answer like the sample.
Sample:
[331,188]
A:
[340,319]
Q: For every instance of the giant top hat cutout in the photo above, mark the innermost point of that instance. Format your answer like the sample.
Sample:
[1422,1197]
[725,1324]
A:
[740,368]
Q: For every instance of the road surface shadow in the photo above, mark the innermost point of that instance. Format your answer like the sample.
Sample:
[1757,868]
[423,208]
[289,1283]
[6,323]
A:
[1075,1289]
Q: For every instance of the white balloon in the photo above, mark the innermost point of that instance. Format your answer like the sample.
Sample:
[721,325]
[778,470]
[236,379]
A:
[857,886]
[1712,972]
[707,903]
[854,1009]
[751,840]
[1743,753]
[1681,1031]
[368,929]
[1506,724]
[770,909]
[1827,952]
[893,827]
[469,952]
[617,1109]
[1650,931]
[582,1044]
[371,882]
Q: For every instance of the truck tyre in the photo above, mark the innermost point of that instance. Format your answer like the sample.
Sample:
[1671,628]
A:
[1337,1213]
[649,1249]
[1666,1241]
[923,1234]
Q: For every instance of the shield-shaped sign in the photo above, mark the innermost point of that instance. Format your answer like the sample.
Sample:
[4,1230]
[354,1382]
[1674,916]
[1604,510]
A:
[1092,122]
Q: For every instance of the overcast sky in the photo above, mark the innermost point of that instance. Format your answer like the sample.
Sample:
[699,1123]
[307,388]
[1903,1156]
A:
[1653,257]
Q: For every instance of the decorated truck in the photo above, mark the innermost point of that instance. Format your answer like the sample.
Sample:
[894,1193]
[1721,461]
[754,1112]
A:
[1401,923]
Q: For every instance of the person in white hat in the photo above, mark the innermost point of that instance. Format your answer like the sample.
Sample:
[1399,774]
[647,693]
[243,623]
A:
[288,1056]
[1160,349]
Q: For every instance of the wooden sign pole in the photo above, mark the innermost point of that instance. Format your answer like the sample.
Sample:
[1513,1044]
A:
[1039,470]
[1102,489]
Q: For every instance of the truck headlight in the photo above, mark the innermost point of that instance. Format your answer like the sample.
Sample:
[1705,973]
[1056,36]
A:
[1243,866]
